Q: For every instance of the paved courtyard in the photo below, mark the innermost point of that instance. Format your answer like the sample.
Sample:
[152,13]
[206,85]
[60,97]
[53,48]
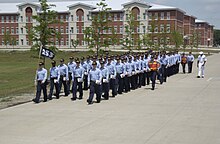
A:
[185,110]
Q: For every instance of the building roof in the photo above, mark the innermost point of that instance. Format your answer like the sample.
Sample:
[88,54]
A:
[156,7]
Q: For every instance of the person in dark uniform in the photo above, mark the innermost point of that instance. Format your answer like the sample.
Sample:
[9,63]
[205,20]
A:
[77,75]
[127,67]
[112,75]
[190,60]
[105,80]
[71,65]
[154,66]
[40,82]
[64,77]
[119,75]
[94,81]
[54,80]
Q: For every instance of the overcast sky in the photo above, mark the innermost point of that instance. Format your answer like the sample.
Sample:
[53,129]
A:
[208,10]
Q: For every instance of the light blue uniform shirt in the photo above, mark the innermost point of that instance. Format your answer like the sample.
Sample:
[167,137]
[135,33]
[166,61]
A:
[41,75]
[63,70]
[95,74]
[71,66]
[190,58]
[119,68]
[111,69]
[164,60]
[127,67]
[55,73]
[78,72]
[105,73]
[133,65]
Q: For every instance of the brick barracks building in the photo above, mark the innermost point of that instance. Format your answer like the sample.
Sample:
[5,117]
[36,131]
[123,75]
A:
[16,19]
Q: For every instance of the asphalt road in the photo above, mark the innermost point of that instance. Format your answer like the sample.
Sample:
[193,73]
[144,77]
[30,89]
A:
[185,110]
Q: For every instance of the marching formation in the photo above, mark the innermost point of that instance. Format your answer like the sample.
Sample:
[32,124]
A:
[101,75]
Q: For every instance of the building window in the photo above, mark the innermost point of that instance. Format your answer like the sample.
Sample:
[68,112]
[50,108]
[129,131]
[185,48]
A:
[115,29]
[22,42]
[150,16]
[22,30]
[149,28]
[109,17]
[156,29]
[77,18]
[57,42]
[82,17]
[115,17]
[12,18]
[127,17]
[110,30]
[3,30]
[7,19]
[138,29]
[2,42]
[144,29]
[88,17]
[7,30]
[121,17]
[121,29]
[3,19]
[155,41]
[67,18]
[67,42]
[161,28]
[71,17]
[21,18]
[138,17]
[144,16]
[61,17]
[17,32]
[156,16]
[27,19]
[168,28]
[61,30]
[62,42]
[168,15]
[162,16]
[57,29]
[72,29]
[16,18]
[17,42]
[27,42]
[12,30]
[67,30]
[77,29]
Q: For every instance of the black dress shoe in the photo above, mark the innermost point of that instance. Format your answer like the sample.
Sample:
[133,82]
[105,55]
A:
[152,88]
[73,99]
[80,98]
[89,102]
[198,76]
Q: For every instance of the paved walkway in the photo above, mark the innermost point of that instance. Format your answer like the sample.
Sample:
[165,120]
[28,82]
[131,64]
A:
[185,110]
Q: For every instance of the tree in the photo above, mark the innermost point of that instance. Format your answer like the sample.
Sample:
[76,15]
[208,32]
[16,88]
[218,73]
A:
[194,40]
[42,33]
[13,42]
[7,39]
[75,43]
[177,39]
[216,37]
[130,25]
[100,23]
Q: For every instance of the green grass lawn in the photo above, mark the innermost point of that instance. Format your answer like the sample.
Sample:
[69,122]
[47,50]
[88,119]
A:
[17,70]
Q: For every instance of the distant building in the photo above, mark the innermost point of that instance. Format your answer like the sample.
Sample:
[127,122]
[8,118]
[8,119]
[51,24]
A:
[16,20]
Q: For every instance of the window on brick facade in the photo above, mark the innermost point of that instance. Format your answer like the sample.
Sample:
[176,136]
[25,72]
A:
[115,29]
[71,17]
[17,32]
[138,29]
[144,29]
[3,30]
[22,30]
[77,18]
[77,29]
[149,28]
[168,28]
[150,16]
[156,29]
[12,18]
[67,18]
[161,28]
[121,17]
[61,17]
[162,15]
[7,18]
[168,15]
[115,17]
[27,19]
[12,30]
[156,16]
[121,29]
[88,17]
[16,18]
[3,19]
[67,30]
[72,30]
[82,17]
[61,30]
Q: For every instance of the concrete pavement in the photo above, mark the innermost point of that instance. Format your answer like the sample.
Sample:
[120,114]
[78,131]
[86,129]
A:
[185,110]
